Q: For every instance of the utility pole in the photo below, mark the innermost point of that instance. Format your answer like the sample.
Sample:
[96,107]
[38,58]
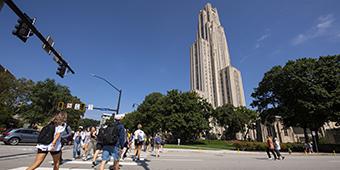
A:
[26,19]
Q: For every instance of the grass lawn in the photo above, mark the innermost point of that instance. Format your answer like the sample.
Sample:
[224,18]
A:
[204,145]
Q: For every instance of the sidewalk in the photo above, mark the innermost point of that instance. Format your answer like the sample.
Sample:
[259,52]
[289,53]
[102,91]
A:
[244,152]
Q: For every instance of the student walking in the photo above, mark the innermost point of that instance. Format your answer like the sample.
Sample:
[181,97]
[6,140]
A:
[65,135]
[77,143]
[139,136]
[277,149]
[49,141]
[270,147]
[113,142]
[157,143]
[93,140]
[86,136]
[99,145]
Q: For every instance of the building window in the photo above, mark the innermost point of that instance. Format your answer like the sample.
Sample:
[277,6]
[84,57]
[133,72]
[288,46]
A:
[285,131]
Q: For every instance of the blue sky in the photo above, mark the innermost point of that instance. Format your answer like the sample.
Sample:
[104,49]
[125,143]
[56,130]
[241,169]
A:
[142,46]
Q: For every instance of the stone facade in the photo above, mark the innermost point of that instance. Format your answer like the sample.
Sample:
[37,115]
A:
[211,74]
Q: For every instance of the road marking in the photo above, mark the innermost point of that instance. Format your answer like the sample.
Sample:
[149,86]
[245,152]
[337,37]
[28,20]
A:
[181,160]
[334,161]
[45,168]
[90,163]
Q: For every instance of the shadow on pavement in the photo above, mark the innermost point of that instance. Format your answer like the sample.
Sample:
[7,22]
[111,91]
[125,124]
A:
[144,164]
[262,159]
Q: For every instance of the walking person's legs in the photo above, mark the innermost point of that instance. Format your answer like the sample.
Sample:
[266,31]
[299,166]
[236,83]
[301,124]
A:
[278,153]
[39,158]
[139,149]
[76,150]
[267,150]
[56,160]
[272,151]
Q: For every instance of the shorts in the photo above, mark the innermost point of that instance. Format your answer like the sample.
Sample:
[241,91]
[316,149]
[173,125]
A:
[138,143]
[46,152]
[99,146]
[109,151]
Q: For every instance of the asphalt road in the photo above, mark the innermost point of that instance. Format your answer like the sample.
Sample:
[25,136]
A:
[19,157]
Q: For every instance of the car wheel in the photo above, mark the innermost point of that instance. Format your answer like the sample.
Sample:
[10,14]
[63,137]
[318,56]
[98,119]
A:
[14,141]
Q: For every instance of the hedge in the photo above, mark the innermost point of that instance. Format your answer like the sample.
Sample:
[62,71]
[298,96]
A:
[294,147]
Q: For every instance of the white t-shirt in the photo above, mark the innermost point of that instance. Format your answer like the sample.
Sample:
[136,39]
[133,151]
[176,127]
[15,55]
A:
[57,146]
[138,132]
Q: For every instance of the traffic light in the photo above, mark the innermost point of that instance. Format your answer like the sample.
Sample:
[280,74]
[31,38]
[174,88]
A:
[22,30]
[60,106]
[61,70]
[82,107]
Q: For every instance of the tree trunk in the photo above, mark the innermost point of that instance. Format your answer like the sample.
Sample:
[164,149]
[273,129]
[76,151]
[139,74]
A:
[245,135]
[316,141]
[305,134]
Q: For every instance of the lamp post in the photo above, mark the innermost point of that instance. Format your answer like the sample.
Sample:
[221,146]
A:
[119,90]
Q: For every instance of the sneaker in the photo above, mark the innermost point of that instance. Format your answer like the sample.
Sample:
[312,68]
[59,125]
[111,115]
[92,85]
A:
[283,157]
[73,159]
[94,164]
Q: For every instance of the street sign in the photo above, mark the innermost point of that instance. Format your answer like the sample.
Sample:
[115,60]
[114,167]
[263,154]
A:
[90,107]
[77,106]
[69,105]
[46,47]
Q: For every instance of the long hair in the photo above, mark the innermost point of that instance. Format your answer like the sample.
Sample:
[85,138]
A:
[59,118]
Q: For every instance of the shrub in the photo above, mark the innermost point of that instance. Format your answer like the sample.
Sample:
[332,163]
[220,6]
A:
[261,146]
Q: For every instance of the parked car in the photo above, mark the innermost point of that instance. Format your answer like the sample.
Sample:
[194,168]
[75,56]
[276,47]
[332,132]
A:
[21,135]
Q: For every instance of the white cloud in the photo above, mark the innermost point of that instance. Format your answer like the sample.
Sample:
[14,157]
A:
[259,40]
[263,37]
[320,29]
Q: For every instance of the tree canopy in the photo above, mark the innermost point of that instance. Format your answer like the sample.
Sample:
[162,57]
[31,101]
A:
[304,92]
[234,119]
[180,115]
[33,102]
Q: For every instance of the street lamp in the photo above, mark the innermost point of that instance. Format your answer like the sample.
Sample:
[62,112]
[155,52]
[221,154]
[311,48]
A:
[120,91]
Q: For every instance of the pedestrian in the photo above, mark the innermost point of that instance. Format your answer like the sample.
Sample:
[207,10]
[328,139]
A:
[162,144]
[93,140]
[139,136]
[99,145]
[270,147]
[86,137]
[277,149]
[65,135]
[127,144]
[310,147]
[49,141]
[158,143]
[113,142]
[77,143]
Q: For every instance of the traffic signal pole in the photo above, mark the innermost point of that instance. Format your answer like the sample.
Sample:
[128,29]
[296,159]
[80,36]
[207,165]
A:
[25,19]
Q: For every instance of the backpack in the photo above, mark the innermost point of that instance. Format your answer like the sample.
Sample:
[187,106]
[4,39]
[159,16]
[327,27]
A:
[65,139]
[46,134]
[140,136]
[100,135]
[158,140]
[110,135]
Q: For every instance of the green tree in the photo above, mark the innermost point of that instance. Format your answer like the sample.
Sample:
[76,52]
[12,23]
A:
[86,122]
[43,103]
[181,115]
[304,92]
[234,119]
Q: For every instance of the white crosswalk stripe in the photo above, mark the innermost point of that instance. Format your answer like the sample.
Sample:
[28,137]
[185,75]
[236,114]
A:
[45,168]
[90,162]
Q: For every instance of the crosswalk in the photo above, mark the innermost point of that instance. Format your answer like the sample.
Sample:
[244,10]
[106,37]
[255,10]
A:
[88,163]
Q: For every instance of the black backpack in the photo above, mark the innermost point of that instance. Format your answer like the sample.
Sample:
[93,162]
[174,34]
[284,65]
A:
[46,134]
[100,135]
[110,135]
